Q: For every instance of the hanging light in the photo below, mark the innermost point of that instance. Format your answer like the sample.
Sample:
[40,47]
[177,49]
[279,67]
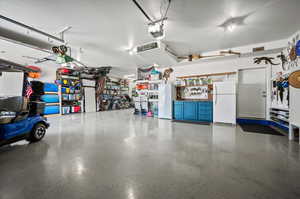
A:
[231,27]
[132,51]
[156,30]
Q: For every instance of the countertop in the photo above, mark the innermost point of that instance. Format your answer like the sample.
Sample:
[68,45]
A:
[191,100]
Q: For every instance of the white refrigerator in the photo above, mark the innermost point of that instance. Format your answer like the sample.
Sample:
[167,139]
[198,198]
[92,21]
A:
[165,100]
[224,99]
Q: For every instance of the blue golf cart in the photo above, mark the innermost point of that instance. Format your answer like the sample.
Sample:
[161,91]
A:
[19,117]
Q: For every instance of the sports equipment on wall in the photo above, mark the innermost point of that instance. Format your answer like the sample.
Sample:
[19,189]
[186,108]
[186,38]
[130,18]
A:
[294,79]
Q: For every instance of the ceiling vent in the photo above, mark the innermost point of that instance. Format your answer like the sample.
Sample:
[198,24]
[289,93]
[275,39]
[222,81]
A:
[156,53]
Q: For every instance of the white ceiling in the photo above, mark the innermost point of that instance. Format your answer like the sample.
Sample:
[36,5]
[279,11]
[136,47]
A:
[105,29]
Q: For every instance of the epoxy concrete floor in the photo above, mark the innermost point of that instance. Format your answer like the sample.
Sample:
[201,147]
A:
[116,155]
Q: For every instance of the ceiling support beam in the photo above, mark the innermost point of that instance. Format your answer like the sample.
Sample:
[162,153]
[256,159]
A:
[31,28]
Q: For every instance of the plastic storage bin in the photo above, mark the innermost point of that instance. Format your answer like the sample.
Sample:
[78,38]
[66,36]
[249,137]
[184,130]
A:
[63,90]
[71,97]
[65,97]
[49,110]
[66,110]
[50,87]
[76,109]
[50,98]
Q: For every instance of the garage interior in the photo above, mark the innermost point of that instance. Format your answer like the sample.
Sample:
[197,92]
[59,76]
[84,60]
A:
[149,99]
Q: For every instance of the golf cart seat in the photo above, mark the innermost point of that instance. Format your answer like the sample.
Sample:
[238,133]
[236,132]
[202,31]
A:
[13,109]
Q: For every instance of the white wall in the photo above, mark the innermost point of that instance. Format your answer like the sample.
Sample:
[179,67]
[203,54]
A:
[11,83]
[220,66]
[227,64]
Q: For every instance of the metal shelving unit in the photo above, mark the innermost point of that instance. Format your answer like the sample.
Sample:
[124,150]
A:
[75,101]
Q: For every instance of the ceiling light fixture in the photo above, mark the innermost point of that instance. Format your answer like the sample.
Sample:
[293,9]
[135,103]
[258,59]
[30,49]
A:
[132,51]
[232,23]
[231,27]
[156,30]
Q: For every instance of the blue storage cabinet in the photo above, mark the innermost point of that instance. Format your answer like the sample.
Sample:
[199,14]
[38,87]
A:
[201,111]
[178,110]
[205,111]
[190,111]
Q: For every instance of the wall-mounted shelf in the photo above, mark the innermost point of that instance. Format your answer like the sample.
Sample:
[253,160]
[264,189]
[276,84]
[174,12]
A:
[207,75]
[53,115]
[51,93]
[52,104]
[280,116]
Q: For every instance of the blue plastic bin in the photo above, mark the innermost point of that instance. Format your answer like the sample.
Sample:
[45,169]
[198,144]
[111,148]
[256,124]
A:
[50,98]
[50,87]
[49,110]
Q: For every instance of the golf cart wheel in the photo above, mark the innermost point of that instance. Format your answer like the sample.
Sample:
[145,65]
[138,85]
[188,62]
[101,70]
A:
[38,132]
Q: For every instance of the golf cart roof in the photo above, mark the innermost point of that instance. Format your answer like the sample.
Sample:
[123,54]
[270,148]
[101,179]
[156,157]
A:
[8,66]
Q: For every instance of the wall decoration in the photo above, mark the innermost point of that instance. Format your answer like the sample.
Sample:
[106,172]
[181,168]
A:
[62,57]
[284,60]
[280,92]
[144,73]
[195,92]
[298,48]
[267,60]
[155,75]
[292,53]
[167,74]
[294,79]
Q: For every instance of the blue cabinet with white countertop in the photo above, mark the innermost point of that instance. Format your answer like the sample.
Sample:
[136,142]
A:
[198,111]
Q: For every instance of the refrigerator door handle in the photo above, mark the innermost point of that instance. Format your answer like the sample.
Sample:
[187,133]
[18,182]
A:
[216,94]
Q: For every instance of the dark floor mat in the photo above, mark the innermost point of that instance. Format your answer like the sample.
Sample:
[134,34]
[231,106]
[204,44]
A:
[261,129]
